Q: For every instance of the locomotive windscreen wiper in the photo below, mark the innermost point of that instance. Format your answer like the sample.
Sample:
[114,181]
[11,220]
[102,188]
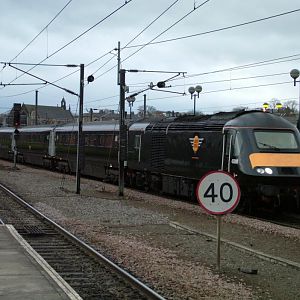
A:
[269,146]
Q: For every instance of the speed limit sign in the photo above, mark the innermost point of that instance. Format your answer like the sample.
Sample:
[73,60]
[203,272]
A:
[218,192]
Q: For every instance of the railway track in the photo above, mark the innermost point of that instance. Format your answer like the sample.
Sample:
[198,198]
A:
[240,247]
[90,274]
[284,219]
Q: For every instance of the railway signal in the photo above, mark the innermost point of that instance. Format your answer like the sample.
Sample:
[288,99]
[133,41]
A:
[16,115]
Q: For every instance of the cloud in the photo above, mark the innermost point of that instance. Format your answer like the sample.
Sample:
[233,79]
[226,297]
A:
[256,42]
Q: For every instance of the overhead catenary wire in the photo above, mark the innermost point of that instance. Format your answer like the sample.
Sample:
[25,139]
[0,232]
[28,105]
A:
[209,92]
[139,34]
[235,68]
[251,65]
[168,28]
[244,66]
[240,67]
[76,38]
[51,21]
[220,80]
[193,35]
[157,36]
[217,30]
[168,8]
[45,81]
[46,27]
[211,107]
[194,75]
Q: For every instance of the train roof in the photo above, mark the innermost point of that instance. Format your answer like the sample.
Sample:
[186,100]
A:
[260,119]
[140,126]
[216,122]
[36,129]
[7,129]
[93,126]
[103,126]
[27,129]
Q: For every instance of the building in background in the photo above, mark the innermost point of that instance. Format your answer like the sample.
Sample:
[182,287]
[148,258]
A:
[41,114]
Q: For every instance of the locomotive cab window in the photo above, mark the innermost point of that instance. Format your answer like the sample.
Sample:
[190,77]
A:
[238,141]
[229,142]
[275,140]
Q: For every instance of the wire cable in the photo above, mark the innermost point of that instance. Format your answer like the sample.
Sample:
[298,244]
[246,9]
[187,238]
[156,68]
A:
[76,38]
[52,20]
[142,31]
[144,45]
[251,65]
[218,29]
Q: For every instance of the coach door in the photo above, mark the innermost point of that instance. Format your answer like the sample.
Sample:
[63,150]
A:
[227,150]
[51,143]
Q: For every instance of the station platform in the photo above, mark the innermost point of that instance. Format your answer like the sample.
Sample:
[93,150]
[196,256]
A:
[24,274]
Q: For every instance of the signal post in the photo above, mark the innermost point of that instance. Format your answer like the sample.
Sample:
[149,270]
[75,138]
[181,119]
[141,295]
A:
[16,124]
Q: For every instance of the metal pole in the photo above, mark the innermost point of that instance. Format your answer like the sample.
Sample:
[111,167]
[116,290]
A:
[298,123]
[122,132]
[79,140]
[218,241]
[36,107]
[145,107]
[15,150]
[119,62]
[91,115]
[194,104]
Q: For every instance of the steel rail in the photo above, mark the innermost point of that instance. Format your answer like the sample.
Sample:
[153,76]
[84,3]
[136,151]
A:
[260,254]
[144,289]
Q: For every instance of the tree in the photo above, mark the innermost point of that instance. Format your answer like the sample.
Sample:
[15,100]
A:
[273,103]
[150,110]
[292,105]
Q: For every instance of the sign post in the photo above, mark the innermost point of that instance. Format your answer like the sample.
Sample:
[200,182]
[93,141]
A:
[218,193]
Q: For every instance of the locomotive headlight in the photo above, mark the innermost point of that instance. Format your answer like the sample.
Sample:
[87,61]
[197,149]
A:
[269,171]
[260,170]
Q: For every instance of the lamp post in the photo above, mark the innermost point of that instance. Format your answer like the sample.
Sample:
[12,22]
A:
[266,106]
[130,101]
[295,74]
[195,91]
[92,113]
[278,106]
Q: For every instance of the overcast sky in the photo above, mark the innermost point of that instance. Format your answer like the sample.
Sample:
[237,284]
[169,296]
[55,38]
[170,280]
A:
[203,57]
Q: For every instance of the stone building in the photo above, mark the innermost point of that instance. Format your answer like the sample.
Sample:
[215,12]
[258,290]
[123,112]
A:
[42,114]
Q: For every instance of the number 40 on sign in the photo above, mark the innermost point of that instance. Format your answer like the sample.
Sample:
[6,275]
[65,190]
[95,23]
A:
[218,192]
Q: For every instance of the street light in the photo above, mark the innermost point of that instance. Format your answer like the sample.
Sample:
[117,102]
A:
[130,101]
[265,106]
[278,105]
[195,91]
[295,74]
[92,113]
